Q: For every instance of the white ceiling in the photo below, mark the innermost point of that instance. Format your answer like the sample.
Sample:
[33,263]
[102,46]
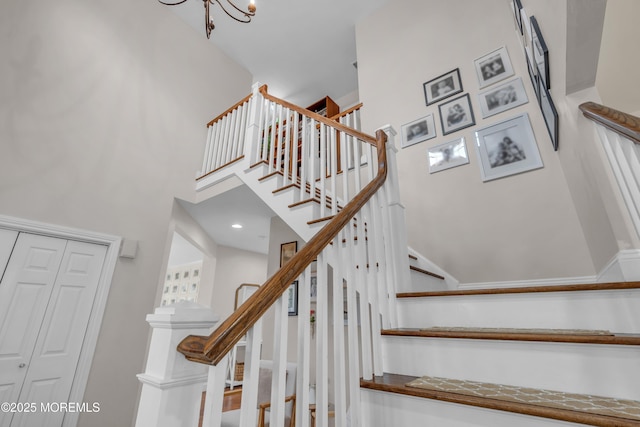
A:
[302,49]
[237,206]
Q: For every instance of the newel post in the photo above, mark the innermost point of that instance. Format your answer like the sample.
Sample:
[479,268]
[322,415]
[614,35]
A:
[171,385]
[396,211]
[253,125]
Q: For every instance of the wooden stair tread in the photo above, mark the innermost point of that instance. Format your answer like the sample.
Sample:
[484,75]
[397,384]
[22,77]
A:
[583,409]
[428,273]
[519,334]
[524,289]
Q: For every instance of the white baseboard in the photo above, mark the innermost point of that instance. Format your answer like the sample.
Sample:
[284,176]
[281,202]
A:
[623,267]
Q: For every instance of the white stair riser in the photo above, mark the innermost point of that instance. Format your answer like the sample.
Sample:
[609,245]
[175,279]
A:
[389,409]
[616,311]
[421,282]
[295,218]
[603,370]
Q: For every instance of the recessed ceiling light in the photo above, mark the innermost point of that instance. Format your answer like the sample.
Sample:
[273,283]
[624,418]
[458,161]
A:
[236,226]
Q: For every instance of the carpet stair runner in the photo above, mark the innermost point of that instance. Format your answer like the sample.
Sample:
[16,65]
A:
[577,408]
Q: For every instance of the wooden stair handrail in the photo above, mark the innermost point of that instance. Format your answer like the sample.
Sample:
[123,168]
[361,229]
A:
[619,122]
[212,349]
[317,117]
[230,109]
[341,114]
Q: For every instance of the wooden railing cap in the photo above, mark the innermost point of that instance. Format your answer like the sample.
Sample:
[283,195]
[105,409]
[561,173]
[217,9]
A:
[624,124]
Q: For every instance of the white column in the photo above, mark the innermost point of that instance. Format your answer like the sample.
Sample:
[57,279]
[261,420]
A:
[399,244]
[171,385]
[252,134]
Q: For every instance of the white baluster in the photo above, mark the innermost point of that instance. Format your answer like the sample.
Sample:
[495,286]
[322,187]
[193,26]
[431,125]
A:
[215,393]
[248,416]
[303,378]
[340,399]
[206,161]
[322,341]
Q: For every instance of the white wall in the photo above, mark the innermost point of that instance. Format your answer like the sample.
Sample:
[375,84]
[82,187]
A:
[102,123]
[515,228]
[235,267]
[617,70]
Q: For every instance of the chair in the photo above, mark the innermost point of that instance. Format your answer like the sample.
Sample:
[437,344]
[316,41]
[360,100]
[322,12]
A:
[264,393]
[232,418]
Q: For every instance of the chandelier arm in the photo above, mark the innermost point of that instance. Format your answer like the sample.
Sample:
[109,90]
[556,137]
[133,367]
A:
[247,15]
[172,4]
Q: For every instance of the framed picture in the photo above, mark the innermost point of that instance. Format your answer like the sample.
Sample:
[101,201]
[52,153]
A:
[287,251]
[502,98]
[540,53]
[448,155]
[516,6]
[526,35]
[418,131]
[292,299]
[314,288]
[456,114]
[549,112]
[493,67]
[507,148]
[532,76]
[442,87]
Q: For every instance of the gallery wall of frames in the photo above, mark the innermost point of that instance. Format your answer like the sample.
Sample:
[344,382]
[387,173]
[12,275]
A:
[507,147]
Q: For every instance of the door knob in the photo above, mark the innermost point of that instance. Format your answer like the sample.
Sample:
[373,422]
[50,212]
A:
[22,365]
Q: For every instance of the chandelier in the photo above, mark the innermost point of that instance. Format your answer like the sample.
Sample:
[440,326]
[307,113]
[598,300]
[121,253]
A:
[231,10]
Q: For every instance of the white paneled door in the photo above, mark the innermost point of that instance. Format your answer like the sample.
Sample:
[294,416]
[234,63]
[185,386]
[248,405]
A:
[46,298]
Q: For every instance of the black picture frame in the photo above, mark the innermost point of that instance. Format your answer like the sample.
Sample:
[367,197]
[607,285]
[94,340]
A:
[533,77]
[517,5]
[287,251]
[456,114]
[442,87]
[549,113]
[540,53]
[292,299]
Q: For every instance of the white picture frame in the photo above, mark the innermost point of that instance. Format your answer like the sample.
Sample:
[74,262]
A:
[448,155]
[507,148]
[419,130]
[493,67]
[503,97]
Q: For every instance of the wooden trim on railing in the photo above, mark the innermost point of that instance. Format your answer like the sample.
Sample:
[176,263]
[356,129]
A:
[229,110]
[317,117]
[212,349]
[346,112]
[220,167]
[619,122]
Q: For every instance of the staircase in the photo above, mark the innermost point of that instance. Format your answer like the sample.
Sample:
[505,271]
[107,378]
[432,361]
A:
[398,343]
[555,361]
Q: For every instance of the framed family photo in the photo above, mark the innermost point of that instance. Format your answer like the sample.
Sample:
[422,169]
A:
[287,251]
[456,114]
[540,53]
[549,112]
[442,87]
[448,155]
[292,299]
[418,130]
[516,5]
[493,67]
[507,148]
[502,98]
